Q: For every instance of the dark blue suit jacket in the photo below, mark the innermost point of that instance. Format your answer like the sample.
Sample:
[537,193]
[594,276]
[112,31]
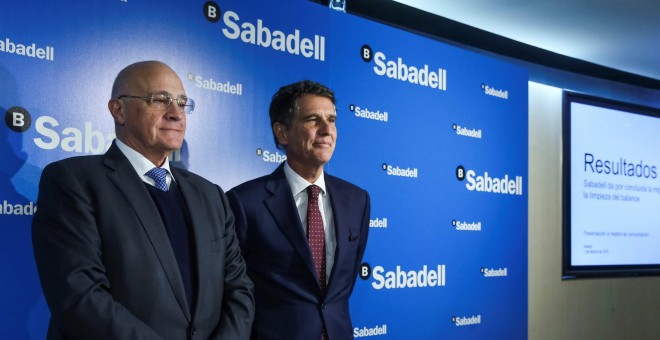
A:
[288,299]
[106,264]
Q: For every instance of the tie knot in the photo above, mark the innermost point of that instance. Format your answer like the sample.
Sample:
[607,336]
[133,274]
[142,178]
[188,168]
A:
[158,175]
[313,192]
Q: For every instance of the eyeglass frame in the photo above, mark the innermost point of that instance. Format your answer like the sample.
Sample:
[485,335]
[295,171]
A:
[150,100]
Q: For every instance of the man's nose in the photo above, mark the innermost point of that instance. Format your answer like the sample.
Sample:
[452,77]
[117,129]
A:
[175,112]
[324,126]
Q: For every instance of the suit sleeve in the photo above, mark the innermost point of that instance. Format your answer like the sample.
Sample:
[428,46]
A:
[238,300]
[67,250]
[364,234]
[240,221]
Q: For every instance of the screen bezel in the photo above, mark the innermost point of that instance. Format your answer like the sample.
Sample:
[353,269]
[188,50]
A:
[570,271]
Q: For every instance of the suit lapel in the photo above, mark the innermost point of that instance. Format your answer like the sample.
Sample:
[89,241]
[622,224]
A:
[193,200]
[283,209]
[339,202]
[124,178]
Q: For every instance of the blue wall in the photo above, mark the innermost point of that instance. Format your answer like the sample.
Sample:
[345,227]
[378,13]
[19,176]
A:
[436,134]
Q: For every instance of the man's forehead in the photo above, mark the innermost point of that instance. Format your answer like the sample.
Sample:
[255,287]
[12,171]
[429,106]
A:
[316,111]
[158,81]
[313,102]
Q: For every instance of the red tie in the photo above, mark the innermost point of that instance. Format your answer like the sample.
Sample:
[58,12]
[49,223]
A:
[316,238]
[315,233]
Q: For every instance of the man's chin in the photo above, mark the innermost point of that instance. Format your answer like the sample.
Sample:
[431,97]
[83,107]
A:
[173,143]
[323,160]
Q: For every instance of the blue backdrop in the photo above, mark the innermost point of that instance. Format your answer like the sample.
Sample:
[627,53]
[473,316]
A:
[436,134]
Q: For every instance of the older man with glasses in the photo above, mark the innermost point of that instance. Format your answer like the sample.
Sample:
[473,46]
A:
[128,247]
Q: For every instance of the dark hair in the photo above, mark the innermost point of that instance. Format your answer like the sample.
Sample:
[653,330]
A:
[283,105]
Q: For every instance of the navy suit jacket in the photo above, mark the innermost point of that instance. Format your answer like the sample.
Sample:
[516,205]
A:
[106,264]
[289,304]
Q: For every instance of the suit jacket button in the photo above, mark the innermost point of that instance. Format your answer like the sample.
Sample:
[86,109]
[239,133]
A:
[193,331]
[323,306]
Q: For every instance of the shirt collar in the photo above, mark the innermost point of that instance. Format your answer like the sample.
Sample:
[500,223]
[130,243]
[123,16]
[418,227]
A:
[140,163]
[299,184]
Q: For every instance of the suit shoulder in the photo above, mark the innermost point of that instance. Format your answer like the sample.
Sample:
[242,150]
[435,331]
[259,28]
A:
[75,164]
[343,185]
[251,185]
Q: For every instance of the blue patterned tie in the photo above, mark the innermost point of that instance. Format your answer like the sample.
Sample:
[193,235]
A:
[158,175]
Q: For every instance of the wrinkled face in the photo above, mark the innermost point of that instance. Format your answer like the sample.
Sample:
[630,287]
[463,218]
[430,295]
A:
[311,139]
[153,132]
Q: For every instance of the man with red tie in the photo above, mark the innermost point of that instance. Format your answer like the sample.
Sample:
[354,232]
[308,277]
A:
[302,231]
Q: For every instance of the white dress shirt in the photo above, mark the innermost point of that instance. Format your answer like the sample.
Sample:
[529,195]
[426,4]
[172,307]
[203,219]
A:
[142,165]
[299,189]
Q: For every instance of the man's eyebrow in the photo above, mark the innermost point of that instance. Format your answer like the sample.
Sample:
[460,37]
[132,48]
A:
[162,92]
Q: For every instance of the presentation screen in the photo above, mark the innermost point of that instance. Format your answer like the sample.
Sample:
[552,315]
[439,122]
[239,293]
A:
[611,188]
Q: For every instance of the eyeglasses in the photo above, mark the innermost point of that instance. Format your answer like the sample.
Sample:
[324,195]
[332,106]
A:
[161,101]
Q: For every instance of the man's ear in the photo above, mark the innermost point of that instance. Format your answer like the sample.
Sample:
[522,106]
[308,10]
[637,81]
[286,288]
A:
[280,133]
[116,108]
